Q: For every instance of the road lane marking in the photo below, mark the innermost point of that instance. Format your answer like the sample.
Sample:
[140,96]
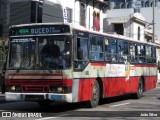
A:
[119,104]
[47,118]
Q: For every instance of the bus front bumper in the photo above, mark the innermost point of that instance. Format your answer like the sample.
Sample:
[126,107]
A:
[9,96]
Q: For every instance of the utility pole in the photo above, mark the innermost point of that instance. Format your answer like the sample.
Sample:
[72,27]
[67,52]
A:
[153,21]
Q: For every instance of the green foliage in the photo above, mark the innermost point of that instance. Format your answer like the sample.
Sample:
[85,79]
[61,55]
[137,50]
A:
[3,52]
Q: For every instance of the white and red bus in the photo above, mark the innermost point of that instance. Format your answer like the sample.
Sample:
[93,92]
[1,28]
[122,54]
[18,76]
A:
[63,62]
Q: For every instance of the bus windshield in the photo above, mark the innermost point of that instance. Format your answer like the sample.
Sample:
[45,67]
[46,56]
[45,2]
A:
[52,52]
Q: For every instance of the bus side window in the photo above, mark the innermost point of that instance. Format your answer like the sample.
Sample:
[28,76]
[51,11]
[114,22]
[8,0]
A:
[112,50]
[141,53]
[122,50]
[148,54]
[81,53]
[106,49]
[153,54]
[96,48]
[132,52]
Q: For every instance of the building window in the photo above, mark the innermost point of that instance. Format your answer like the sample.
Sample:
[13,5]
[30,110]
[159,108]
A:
[142,3]
[96,21]
[147,4]
[40,7]
[33,12]
[138,33]
[118,28]
[82,14]
[123,5]
[36,12]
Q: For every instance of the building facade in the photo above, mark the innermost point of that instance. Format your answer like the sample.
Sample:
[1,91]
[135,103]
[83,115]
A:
[125,4]
[132,26]
[88,13]
[145,7]
[29,11]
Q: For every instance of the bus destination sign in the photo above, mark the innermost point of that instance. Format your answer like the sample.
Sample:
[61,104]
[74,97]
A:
[38,30]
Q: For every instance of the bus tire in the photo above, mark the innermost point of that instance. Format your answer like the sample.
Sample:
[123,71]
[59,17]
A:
[140,88]
[44,103]
[95,95]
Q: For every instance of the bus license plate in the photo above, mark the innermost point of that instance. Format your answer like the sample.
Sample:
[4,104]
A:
[34,97]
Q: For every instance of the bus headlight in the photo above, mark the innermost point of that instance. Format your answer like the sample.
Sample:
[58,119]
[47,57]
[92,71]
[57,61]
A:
[59,89]
[13,88]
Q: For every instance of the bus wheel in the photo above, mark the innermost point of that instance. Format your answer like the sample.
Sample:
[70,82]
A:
[139,93]
[44,103]
[95,95]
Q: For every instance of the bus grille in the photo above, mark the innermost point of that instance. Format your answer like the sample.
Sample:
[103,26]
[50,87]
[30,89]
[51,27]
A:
[36,82]
[32,85]
[42,89]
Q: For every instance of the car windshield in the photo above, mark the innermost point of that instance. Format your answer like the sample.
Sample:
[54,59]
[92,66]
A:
[52,52]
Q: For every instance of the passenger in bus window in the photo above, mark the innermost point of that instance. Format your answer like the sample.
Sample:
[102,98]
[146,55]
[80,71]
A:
[43,44]
[50,55]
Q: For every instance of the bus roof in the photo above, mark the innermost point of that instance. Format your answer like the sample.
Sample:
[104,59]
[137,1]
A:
[84,29]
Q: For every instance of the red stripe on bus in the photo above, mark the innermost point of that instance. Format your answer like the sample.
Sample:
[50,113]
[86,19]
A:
[141,65]
[67,82]
[14,74]
[98,64]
